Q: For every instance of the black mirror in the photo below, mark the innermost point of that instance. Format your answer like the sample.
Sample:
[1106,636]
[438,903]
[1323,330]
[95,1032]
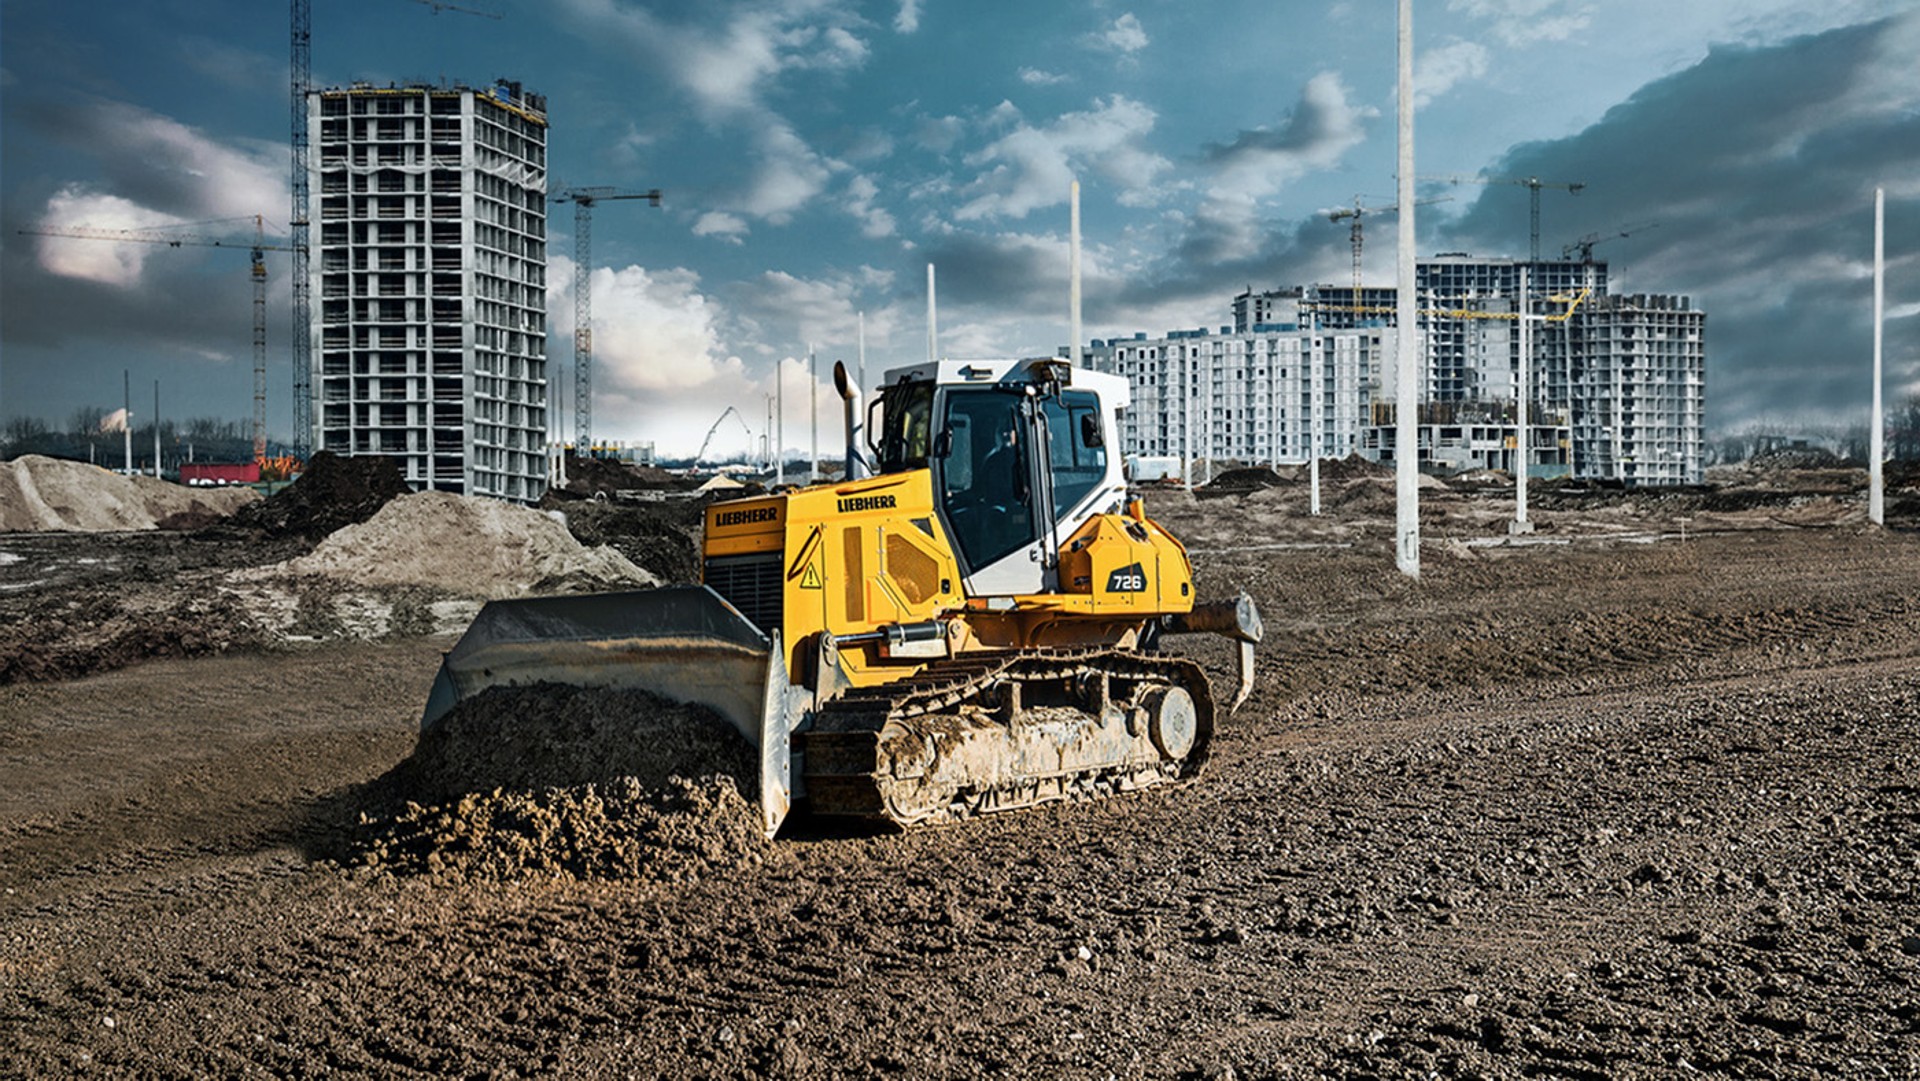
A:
[943,444]
[1090,434]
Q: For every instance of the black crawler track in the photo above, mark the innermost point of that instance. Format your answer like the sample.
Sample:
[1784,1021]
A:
[1002,731]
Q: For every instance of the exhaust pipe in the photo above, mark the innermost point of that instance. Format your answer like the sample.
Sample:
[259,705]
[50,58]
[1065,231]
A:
[850,401]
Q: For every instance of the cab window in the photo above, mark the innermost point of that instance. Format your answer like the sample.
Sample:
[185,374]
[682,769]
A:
[906,427]
[985,475]
[1074,448]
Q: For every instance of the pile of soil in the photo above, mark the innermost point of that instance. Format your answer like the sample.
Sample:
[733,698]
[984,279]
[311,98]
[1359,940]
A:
[464,545]
[560,781]
[1240,482]
[40,494]
[333,492]
[659,536]
[1353,467]
[588,477]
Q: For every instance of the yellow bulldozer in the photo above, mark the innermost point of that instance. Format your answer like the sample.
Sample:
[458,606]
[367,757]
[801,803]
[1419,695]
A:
[970,625]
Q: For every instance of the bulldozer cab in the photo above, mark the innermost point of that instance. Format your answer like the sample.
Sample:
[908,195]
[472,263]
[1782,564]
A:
[1019,458]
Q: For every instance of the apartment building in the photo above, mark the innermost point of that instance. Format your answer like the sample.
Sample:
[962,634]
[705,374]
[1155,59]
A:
[429,275]
[1613,386]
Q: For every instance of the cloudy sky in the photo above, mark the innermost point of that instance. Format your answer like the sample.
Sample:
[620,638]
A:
[816,155]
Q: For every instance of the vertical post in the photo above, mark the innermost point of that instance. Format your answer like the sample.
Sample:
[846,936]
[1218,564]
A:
[779,422]
[863,352]
[1186,418]
[1315,390]
[126,403]
[933,320]
[813,377]
[1406,451]
[1520,451]
[1876,450]
[1073,276]
[156,429]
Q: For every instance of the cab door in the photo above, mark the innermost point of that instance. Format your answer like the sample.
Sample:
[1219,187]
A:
[986,472]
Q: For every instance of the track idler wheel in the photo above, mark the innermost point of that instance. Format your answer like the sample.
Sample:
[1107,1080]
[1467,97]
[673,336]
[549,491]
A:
[1173,722]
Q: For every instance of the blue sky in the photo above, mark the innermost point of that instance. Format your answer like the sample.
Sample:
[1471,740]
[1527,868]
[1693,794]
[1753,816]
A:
[816,155]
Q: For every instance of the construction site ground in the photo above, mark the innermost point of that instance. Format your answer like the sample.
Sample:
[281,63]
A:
[1633,795]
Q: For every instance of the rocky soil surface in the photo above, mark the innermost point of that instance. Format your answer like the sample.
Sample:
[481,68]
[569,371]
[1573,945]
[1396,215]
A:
[1630,796]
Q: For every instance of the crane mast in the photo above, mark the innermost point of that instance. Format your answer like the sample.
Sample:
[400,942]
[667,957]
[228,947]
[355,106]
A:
[583,200]
[301,18]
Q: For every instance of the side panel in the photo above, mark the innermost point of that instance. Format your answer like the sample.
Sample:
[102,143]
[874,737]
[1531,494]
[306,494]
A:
[845,559]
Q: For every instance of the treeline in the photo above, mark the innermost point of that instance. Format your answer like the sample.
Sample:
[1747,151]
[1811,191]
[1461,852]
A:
[90,435]
[1850,442]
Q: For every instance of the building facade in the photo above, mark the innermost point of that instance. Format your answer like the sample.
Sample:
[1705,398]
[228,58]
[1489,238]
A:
[1271,393]
[429,275]
[1613,386]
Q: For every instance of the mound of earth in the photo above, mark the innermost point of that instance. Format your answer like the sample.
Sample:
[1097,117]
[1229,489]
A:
[465,545]
[40,494]
[659,536]
[1240,482]
[333,492]
[587,477]
[559,781]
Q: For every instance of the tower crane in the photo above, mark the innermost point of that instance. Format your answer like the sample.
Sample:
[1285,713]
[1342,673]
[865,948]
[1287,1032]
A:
[1533,184]
[1354,232]
[1585,244]
[258,249]
[583,200]
[729,412]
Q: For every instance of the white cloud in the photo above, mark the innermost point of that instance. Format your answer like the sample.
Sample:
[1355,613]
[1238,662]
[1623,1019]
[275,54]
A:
[1322,127]
[173,168]
[1443,68]
[875,222]
[1124,36]
[718,223]
[726,66]
[1030,167]
[1519,23]
[788,174]
[105,261]
[908,19]
[1036,77]
[938,134]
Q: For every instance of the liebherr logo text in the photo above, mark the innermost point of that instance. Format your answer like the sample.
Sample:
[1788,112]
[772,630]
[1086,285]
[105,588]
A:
[742,517]
[866,502]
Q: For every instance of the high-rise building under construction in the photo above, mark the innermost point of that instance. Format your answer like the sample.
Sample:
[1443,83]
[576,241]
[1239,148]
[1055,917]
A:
[429,273]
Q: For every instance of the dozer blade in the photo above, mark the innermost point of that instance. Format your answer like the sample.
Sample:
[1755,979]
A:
[684,643]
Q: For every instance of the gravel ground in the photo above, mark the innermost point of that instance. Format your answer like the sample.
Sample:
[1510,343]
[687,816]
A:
[1602,807]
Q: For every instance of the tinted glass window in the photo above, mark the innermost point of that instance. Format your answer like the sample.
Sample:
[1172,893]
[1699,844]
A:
[1074,447]
[985,479]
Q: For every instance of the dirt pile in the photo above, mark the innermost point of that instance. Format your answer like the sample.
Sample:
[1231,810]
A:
[464,545]
[333,492]
[1240,482]
[660,536]
[39,494]
[588,477]
[567,782]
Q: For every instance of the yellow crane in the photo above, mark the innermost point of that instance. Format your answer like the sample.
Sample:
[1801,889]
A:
[257,249]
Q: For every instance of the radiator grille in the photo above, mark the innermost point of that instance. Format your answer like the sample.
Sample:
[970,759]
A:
[751,584]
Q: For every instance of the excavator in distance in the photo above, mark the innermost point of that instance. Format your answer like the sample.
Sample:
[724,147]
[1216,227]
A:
[974,628]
